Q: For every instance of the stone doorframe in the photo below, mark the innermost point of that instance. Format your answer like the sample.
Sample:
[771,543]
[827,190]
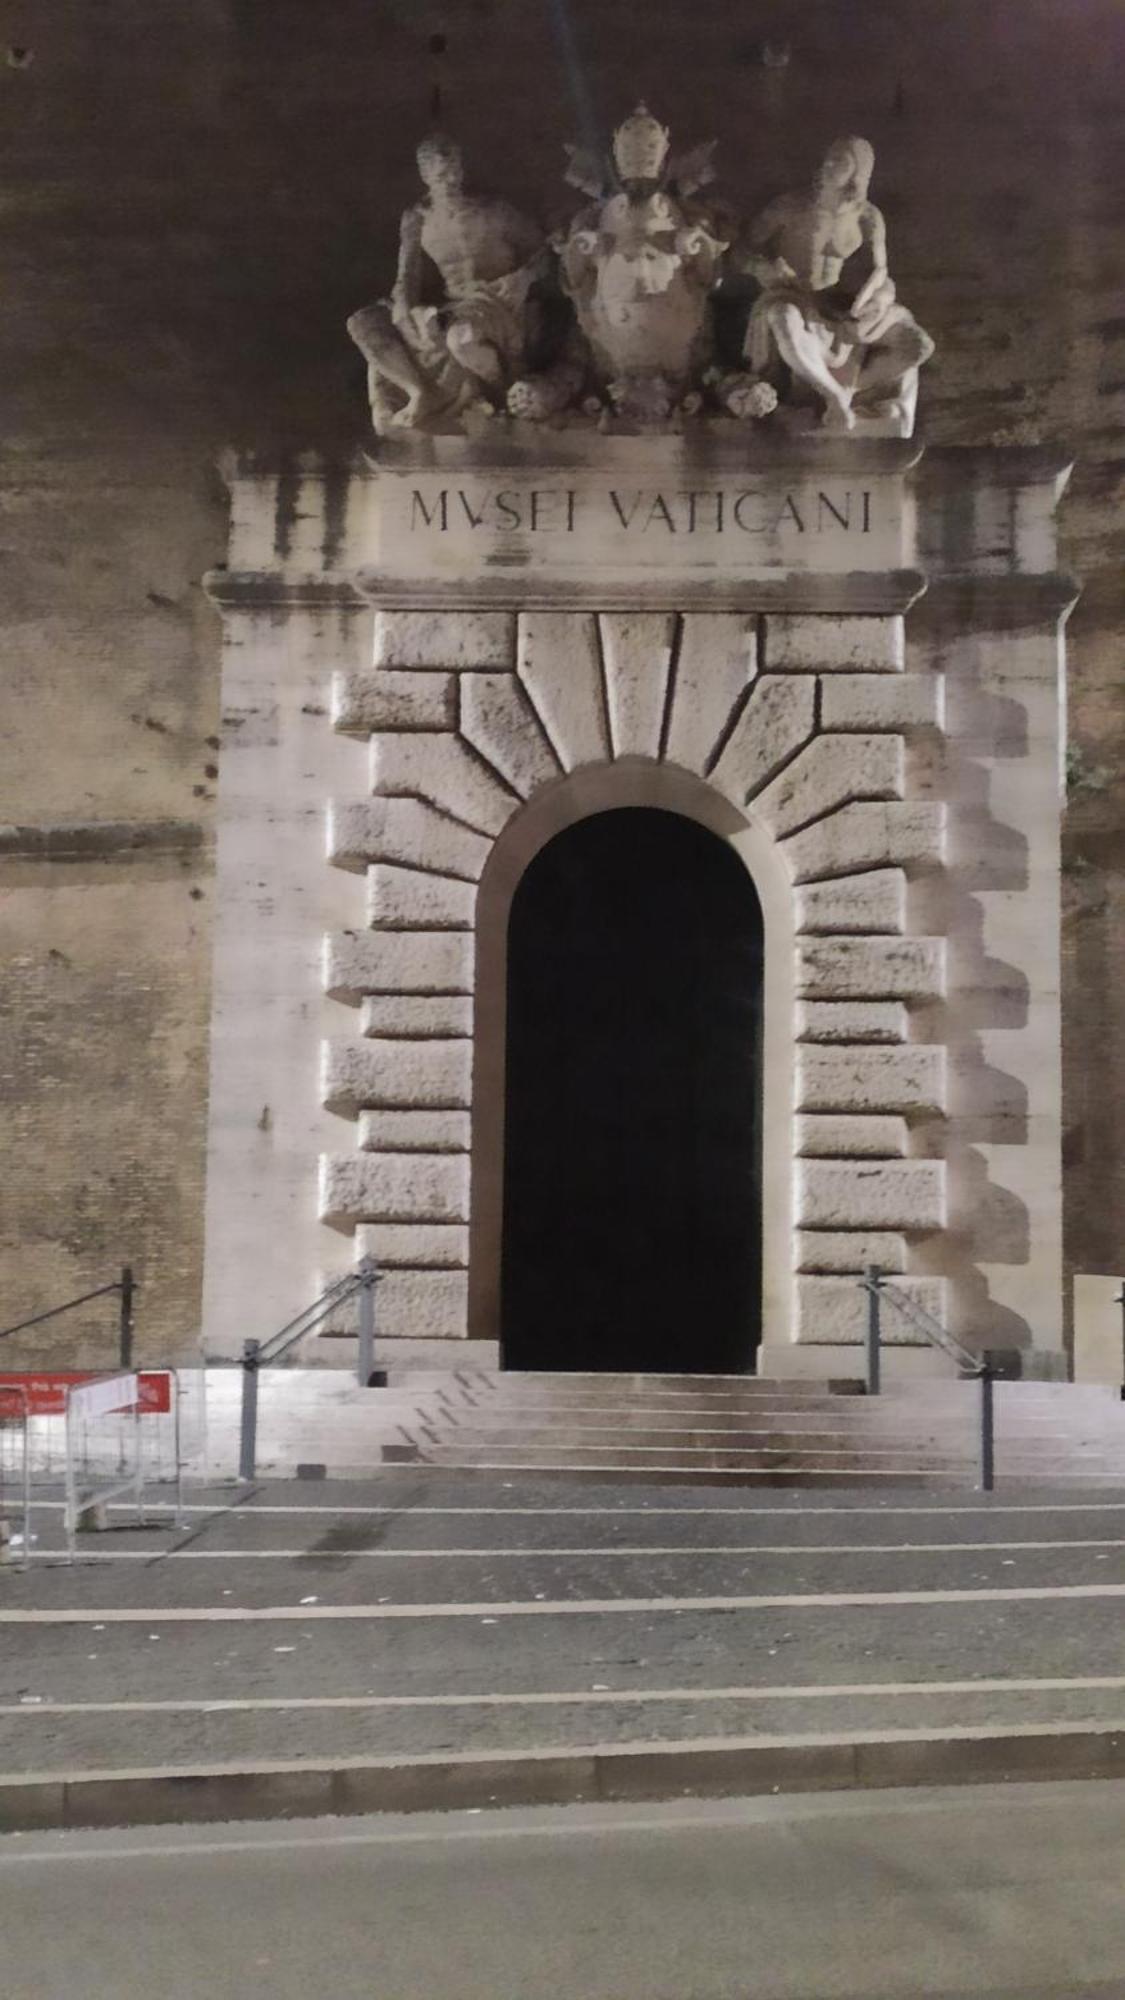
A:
[892,785]
[789,735]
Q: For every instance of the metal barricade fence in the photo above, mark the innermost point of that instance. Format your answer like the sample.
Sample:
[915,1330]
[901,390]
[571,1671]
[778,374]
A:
[15,1476]
[99,1437]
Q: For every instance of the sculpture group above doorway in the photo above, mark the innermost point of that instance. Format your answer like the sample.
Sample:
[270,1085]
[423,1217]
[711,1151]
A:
[626,315]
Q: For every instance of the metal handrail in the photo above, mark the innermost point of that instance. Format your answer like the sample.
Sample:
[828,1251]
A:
[257,1354]
[973,1366]
[125,1284]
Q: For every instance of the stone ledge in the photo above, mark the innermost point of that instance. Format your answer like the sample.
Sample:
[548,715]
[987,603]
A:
[416,1017]
[832,1311]
[880,968]
[99,839]
[852,593]
[428,640]
[406,899]
[894,1194]
[896,834]
[389,1075]
[851,1021]
[415,1245]
[405,830]
[394,1187]
[414,1131]
[850,1250]
[861,905]
[832,645]
[843,1136]
[910,1078]
[383,698]
[398,962]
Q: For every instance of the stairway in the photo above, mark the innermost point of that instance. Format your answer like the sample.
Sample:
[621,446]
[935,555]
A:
[740,1430]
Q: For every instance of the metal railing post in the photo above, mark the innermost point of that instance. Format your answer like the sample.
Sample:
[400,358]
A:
[248,1432]
[1121,1303]
[872,1279]
[125,1345]
[365,1363]
[987,1429]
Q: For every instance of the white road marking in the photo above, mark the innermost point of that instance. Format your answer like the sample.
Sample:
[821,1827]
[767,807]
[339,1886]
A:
[639,1549]
[788,1506]
[555,1608]
[609,1697]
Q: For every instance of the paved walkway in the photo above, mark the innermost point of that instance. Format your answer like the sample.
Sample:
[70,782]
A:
[428,1617]
[978,1894]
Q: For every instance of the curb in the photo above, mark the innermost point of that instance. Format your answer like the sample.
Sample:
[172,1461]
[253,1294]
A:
[618,1774]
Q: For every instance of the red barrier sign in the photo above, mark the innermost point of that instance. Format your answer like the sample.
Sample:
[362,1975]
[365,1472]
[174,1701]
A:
[46,1393]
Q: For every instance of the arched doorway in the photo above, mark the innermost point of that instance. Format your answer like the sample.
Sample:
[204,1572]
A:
[632,1148]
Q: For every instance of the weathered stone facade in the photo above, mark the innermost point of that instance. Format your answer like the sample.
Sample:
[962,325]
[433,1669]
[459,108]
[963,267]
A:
[178,270]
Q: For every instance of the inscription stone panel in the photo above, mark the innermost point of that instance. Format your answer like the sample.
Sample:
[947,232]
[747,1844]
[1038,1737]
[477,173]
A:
[643,509]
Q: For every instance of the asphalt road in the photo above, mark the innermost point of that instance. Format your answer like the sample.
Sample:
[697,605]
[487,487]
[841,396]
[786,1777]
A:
[1006,1894]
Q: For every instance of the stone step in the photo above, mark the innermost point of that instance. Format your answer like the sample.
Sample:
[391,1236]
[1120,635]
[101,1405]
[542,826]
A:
[719,1458]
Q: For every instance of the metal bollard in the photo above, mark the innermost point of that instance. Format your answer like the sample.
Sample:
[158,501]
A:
[248,1432]
[873,1279]
[368,1376]
[1121,1303]
[125,1341]
[987,1429]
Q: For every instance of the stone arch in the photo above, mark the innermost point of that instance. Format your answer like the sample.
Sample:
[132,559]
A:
[787,733]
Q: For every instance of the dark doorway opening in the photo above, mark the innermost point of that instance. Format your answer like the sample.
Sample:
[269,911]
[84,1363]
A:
[632,1151]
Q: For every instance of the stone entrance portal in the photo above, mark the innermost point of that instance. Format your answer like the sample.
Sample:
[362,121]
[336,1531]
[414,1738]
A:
[632,1149]
[844,667]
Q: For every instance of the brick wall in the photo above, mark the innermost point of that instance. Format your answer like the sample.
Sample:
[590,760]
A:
[195,195]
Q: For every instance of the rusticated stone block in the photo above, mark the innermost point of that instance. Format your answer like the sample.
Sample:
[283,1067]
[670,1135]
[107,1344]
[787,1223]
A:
[445,639]
[446,773]
[843,968]
[874,1194]
[391,700]
[896,834]
[416,1016]
[359,962]
[498,720]
[882,701]
[851,1021]
[560,666]
[834,645]
[908,1078]
[778,718]
[829,773]
[850,1250]
[835,1137]
[367,1075]
[422,1305]
[394,1187]
[718,658]
[415,1245]
[407,830]
[637,650]
[414,1131]
[864,904]
[405,899]
[833,1311]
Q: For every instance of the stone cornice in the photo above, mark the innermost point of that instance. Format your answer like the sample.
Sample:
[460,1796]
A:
[999,603]
[272,589]
[98,839]
[873,593]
